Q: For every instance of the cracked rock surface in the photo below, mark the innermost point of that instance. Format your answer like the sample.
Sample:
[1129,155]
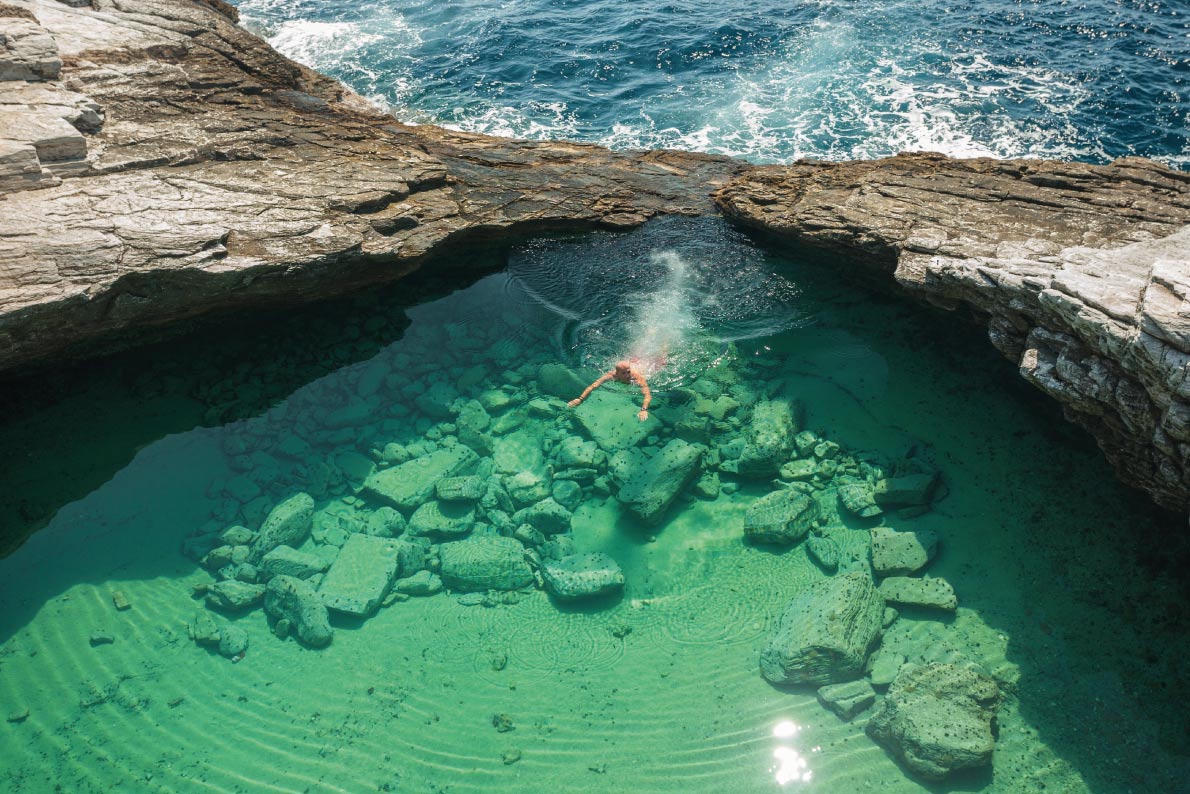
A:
[1080,273]
[158,162]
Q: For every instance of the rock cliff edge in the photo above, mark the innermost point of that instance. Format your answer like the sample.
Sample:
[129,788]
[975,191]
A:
[159,162]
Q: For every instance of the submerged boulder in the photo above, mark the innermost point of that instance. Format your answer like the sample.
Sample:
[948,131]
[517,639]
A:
[610,420]
[859,499]
[410,484]
[899,553]
[655,482]
[361,575]
[288,561]
[296,602]
[442,519]
[484,563]
[931,591]
[937,718]
[288,524]
[781,517]
[557,380]
[582,576]
[769,439]
[826,633]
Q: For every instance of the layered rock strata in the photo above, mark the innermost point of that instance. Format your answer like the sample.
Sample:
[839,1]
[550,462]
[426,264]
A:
[1080,273]
[158,162]
[205,171]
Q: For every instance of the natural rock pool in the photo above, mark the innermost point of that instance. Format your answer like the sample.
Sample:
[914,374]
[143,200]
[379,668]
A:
[414,449]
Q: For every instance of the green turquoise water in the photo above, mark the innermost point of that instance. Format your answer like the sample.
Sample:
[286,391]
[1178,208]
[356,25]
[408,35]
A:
[1069,585]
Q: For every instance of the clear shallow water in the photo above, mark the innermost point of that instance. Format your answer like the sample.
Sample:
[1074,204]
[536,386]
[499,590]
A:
[1065,579]
[770,81]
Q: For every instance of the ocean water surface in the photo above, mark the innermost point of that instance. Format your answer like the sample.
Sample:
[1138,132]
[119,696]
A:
[1068,587]
[768,80]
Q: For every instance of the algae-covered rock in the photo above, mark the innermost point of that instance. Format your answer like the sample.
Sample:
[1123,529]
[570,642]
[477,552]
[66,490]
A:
[582,576]
[461,489]
[203,629]
[610,420]
[410,484]
[899,553]
[288,523]
[361,575]
[768,439]
[297,603]
[557,380]
[937,718]
[655,482]
[385,522]
[547,516]
[232,595]
[847,699]
[575,453]
[288,561]
[484,563]
[233,641]
[780,517]
[825,634]
[824,551]
[422,583]
[858,498]
[931,592]
[442,519]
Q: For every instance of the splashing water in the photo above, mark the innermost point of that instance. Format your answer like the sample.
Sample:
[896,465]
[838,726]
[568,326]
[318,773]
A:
[671,309]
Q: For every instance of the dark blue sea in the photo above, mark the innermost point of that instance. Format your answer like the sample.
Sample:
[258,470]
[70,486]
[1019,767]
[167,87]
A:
[770,81]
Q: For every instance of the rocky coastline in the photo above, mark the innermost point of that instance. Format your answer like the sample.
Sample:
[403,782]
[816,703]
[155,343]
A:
[158,162]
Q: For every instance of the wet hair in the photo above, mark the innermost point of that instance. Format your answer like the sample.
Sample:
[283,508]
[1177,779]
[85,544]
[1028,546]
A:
[623,365]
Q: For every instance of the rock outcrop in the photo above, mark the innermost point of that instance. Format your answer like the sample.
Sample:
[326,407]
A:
[1081,274]
[158,162]
[204,171]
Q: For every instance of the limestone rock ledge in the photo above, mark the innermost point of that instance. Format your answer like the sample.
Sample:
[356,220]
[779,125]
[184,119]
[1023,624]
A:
[1080,273]
[159,162]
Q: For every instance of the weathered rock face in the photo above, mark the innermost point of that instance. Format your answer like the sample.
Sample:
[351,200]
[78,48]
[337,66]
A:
[1081,274]
[937,718]
[215,173]
[825,634]
[158,162]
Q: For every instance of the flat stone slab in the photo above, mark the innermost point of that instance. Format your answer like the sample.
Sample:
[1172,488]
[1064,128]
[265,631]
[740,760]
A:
[900,553]
[655,482]
[847,699]
[609,419]
[361,575]
[930,592]
[582,576]
[911,489]
[290,562]
[410,484]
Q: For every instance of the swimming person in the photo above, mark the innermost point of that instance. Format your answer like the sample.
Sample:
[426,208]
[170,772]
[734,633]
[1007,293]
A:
[624,372]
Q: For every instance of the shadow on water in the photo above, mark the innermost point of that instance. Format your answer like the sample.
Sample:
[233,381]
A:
[68,426]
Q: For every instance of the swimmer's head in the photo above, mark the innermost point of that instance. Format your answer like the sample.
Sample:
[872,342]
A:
[623,367]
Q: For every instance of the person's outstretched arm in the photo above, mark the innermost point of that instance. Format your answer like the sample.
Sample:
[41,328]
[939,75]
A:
[604,378]
[648,396]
